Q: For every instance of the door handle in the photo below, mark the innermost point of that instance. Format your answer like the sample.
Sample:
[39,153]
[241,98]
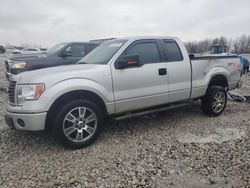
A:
[162,71]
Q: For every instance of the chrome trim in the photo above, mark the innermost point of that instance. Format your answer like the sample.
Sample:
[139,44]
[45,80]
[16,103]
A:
[12,79]
[7,67]
[12,92]
[7,61]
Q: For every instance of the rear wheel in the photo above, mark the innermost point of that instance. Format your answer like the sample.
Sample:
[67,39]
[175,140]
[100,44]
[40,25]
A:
[78,123]
[215,100]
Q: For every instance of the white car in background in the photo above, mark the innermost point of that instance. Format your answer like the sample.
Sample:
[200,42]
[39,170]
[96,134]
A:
[16,51]
[30,51]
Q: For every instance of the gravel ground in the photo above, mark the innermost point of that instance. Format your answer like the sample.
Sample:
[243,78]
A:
[177,148]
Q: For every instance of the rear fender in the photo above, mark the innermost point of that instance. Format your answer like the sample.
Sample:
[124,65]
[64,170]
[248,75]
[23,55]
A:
[216,71]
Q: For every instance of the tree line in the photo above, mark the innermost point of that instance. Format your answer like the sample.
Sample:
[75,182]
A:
[239,45]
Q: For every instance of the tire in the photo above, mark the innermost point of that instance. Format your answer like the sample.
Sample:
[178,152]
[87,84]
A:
[215,101]
[78,123]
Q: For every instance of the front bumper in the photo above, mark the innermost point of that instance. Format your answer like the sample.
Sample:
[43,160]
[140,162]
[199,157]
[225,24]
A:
[26,122]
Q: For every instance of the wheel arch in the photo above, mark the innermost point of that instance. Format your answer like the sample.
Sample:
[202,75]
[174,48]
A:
[77,94]
[218,80]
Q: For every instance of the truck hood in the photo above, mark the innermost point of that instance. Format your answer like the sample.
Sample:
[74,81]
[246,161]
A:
[23,57]
[59,73]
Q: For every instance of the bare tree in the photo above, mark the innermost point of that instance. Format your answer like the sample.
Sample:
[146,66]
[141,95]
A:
[241,44]
[191,46]
[222,41]
[238,45]
[216,41]
[230,44]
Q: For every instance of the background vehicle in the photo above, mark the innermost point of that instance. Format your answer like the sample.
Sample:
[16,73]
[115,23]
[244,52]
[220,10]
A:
[43,49]
[17,50]
[10,49]
[60,54]
[30,51]
[2,49]
[219,49]
[120,78]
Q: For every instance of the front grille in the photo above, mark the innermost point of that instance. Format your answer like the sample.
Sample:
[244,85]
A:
[12,91]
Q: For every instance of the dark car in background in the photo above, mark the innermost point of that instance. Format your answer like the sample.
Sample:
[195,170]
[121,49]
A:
[43,49]
[2,49]
[60,54]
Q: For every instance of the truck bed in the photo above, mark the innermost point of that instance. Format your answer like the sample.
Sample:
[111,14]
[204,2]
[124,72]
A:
[204,66]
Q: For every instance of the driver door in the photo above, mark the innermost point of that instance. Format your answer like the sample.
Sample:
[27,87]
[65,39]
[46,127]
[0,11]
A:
[145,85]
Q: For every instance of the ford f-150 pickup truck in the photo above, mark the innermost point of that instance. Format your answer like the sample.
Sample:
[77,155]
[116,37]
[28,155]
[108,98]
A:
[61,54]
[119,79]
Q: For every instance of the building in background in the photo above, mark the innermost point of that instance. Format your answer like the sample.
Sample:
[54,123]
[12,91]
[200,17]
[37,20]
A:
[219,49]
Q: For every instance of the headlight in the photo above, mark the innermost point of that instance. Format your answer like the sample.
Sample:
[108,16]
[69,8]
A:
[18,64]
[29,92]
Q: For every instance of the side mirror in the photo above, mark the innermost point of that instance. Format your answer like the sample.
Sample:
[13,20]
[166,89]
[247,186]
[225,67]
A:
[127,61]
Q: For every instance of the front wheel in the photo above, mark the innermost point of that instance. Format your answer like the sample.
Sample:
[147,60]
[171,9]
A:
[78,123]
[214,102]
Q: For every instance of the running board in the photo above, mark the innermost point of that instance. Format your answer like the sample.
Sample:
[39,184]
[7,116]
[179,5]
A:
[134,114]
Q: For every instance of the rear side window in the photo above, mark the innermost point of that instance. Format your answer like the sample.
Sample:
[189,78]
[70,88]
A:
[77,50]
[147,51]
[172,51]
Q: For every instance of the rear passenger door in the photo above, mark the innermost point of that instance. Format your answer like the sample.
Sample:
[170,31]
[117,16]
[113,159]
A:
[143,86]
[179,71]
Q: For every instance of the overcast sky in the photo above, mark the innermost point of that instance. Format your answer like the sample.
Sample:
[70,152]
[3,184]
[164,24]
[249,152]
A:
[46,22]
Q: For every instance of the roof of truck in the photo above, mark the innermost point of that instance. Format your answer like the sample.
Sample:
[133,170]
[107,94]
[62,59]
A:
[148,37]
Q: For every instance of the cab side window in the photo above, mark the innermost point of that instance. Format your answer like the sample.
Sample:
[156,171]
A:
[147,51]
[76,50]
[172,51]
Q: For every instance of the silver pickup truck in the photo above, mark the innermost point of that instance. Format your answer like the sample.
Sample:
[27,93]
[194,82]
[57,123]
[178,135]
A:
[119,79]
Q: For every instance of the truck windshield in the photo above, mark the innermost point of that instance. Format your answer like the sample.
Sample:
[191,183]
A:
[56,48]
[103,53]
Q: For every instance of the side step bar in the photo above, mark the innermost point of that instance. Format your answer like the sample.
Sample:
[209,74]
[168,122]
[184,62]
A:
[134,114]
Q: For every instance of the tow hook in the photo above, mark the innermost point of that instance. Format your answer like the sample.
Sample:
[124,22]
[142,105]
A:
[238,98]
[239,84]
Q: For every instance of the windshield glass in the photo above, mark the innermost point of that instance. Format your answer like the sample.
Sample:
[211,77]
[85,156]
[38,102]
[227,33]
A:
[103,53]
[56,48]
